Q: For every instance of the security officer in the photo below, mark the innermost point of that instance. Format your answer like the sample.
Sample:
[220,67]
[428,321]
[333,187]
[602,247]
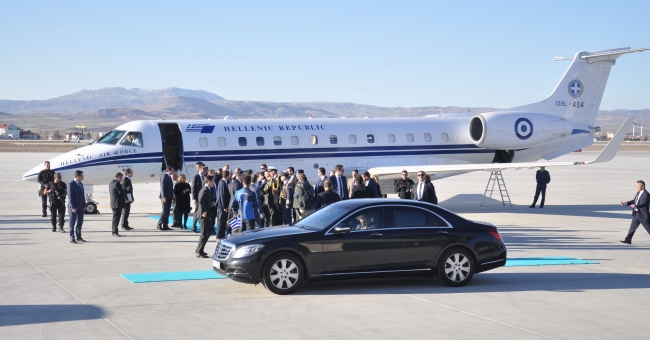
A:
[56,190]
[44,177]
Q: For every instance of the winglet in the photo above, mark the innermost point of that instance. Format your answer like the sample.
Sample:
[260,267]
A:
[610,150]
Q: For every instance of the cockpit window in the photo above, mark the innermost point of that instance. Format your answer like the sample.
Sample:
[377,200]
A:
[111,137]
[132,139]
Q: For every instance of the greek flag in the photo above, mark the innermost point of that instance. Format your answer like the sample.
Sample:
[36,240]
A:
[235,223]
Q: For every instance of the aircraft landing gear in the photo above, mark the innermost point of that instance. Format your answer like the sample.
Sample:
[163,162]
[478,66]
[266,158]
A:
[91,205]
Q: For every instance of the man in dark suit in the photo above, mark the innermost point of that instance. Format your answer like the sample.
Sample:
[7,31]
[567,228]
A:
[203,212]
[318,188]
[166,196]
[235,185]
[371,184]
[118,200]
[221,204]
[424,191]
[197,185]
[128,195]
[640,213]
[543,178]
[339,182]
[76,206]
[326,197]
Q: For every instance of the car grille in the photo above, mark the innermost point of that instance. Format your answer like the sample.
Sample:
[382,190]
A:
[223,251]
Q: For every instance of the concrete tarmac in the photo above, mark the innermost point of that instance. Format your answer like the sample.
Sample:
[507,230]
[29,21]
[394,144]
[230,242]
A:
[51,289]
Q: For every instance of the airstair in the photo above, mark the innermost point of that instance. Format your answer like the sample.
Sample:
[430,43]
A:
[496,178]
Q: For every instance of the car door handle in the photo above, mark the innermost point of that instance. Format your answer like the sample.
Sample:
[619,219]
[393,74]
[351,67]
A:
[441,232]
[376,235]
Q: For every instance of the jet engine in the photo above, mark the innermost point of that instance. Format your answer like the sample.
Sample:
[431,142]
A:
[516,130]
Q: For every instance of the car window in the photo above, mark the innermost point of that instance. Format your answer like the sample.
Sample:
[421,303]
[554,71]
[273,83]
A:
[405,217]
[364,220]
[132,139]
[325,217]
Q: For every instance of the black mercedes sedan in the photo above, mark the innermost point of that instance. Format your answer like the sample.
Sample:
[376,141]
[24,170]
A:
[363,238]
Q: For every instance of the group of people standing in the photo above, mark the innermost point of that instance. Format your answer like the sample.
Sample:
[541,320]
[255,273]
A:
[52,188]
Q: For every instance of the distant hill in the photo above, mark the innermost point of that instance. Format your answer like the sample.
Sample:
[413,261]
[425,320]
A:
[106,98]
[107,108]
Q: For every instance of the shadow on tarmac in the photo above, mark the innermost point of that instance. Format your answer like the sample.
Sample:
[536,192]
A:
[482,283]
[13,315]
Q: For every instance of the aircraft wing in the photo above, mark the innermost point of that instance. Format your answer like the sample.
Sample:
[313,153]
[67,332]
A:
[606,155]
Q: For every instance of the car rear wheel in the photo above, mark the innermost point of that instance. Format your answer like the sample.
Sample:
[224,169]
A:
[456,267]
[282,273]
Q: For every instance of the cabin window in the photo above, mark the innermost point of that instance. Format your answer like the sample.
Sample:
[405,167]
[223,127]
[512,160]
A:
[221,141]
[313,139]
[391,138]
[427,137]
[277,140]
[444,137]
[294,140]
[370,138]
[111,137]
[333,139]
[243,141]
[260,141]
[203,142]
[410,138]
[353,139]
[132,139]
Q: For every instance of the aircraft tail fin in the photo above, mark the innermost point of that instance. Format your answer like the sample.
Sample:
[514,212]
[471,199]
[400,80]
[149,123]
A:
[577,96]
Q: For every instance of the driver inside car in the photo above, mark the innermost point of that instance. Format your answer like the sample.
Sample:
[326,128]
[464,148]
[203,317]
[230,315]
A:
[365,222]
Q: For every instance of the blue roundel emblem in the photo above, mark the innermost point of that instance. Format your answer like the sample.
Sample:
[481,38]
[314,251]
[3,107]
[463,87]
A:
[575,88]
[523,128]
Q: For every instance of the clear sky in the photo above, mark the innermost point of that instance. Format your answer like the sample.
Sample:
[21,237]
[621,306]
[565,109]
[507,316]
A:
[386,53]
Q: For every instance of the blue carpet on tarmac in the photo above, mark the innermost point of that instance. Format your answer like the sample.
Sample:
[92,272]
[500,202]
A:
[173,276]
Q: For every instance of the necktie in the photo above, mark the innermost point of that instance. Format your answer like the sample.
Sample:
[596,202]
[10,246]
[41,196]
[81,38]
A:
[318,184]
[338,178]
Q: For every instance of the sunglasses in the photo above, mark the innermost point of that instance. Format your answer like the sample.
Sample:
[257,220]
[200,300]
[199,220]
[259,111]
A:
[420,175]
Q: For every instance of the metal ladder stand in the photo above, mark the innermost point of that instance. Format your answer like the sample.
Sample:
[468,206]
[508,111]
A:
[496,178]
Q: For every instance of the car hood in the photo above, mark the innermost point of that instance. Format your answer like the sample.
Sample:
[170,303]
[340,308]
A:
[265,233]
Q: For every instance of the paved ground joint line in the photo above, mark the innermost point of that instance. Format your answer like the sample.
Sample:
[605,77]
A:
[69,292]
[481,317]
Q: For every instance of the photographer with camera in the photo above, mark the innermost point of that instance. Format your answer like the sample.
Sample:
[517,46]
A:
[404,186]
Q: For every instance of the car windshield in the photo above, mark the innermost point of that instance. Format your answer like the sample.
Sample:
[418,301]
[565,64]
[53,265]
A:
[111,137]
[323,218]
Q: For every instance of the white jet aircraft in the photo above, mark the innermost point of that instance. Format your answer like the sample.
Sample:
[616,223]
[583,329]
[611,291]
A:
[441,145]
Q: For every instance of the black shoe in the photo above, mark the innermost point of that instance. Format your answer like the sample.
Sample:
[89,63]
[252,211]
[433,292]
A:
[44,215]
[127,228]
[81,240]
[541,206]
[194,231]
[532,206]
[202,255]
[167,228]
[61,230]
[73,241]
[626,241]
[117,235]
[54,229]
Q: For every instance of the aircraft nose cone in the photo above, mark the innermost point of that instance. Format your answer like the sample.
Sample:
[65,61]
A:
[32,175]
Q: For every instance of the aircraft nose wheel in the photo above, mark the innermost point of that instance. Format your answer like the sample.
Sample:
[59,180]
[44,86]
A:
[91,208]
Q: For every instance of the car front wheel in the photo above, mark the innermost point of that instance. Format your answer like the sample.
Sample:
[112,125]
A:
[282,273]
[456,267]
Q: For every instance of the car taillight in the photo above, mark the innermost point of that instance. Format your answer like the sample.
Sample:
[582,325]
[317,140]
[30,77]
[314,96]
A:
[495,233]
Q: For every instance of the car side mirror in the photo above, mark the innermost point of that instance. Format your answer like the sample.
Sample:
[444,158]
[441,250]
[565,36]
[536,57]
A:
[340,230]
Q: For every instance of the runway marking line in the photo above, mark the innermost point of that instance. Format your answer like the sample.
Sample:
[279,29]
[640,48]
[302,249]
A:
[480,317]
[69,292]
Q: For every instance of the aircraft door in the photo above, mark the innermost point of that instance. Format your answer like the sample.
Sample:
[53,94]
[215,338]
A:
[172,145]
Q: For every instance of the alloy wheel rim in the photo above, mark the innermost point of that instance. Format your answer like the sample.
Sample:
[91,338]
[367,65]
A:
[457,267]
[284,274]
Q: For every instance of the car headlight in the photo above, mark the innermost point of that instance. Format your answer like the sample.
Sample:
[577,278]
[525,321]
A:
[248,250]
